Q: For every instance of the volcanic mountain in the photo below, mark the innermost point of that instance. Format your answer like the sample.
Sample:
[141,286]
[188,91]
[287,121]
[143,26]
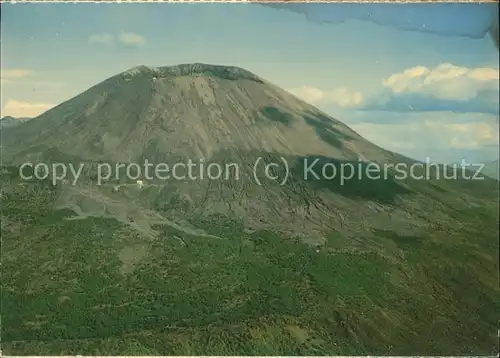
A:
[192,110]
[259,262]
[224,115]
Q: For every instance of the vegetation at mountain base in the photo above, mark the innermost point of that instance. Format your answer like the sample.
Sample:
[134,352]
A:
[93,286]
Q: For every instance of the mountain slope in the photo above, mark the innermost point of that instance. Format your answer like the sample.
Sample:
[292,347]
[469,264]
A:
[219,114]
[235,266]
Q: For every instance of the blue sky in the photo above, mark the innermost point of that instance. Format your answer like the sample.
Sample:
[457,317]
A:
[416,92]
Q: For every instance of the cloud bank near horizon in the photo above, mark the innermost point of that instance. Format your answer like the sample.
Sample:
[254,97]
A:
[447,88]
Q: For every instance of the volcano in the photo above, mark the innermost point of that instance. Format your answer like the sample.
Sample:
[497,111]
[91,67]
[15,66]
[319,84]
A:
[220,115]
[226,116]
[290,246]
[193,110]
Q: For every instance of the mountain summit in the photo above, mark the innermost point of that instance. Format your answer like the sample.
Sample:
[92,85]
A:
[196,69]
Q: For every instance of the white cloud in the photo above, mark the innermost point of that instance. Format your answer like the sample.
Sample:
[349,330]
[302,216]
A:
[432,132]
[12,73]
[125,38]
[467,135]
[103,39]
[446,81]
[342,97]
[131,39]
[17,109]
[309,94]
[446,87]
